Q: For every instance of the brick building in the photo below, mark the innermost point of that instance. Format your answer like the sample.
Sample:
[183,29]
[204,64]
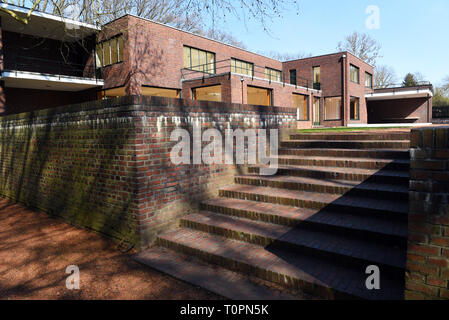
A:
[53,61]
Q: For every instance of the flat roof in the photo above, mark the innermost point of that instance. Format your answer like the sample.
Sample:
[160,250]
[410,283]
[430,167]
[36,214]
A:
[331,54]
[44,24]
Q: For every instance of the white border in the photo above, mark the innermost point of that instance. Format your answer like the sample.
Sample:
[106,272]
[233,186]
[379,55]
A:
[13,74]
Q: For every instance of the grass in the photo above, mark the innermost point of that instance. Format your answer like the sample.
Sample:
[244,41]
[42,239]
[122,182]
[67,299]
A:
[342,129]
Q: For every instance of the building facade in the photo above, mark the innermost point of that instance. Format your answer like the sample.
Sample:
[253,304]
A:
[54,61]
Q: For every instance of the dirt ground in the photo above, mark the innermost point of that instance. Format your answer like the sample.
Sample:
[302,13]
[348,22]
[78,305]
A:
[35,250]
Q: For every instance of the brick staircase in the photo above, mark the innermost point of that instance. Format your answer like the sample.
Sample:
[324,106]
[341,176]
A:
[338,204]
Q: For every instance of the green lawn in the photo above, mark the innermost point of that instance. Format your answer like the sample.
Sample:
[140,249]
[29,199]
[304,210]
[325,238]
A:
[342,129]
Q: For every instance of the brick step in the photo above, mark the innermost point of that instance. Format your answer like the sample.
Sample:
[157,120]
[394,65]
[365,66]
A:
[219,280]
[352,136]
[370,227]
[337,246]
[356,188]
[360,163]
[318,201]
[343,144]
[348,153]
[314,275]
[346,174]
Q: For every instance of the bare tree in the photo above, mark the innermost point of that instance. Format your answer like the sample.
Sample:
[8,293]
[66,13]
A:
[361,45]
[384,76]
[445,85]
[222,36]
[286,56]
[176,12]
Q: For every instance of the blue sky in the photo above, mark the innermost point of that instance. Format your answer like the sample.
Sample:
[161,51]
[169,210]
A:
[413,34]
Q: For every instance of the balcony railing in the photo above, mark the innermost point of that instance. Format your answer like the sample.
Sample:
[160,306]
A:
[51,67]
[419,84]
[221,67]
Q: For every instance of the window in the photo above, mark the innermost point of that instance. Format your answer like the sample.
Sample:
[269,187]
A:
[258,96]
[316,71]
[354,108]
[242,67]
[112,93]
[354,74]
[368,80]
[109,52]
[332,108]
[160,92]
[273,74]
[293,77]
[301,102]
[210,93]
[199,60]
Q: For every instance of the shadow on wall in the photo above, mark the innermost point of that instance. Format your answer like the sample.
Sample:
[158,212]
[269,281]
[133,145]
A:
[66,164]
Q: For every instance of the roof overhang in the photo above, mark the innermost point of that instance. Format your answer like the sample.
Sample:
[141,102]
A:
[45,25]
[39,81]
[402,94]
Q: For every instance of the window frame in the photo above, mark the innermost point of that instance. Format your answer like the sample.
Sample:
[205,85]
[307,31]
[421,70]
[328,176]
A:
[371,77]
[192,91]
[270,90]
[313,78]
[351,68]
[270,74]
[214,66]
[308,105]
[324,105]
[291,72]
[235,60]
[358,108]
[117,40]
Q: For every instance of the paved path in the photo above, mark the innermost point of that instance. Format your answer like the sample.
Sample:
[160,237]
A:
[36,249]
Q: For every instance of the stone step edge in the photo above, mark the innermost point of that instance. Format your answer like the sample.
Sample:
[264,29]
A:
[297,202]
[316,186]
[216,279]
[264,240]
[315,288]
[260,216]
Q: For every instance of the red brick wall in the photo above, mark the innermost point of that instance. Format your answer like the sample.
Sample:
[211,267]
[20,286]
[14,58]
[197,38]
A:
[105,164]
[357,90]
[427,275]
[333,83]
[154,57]
[380,111]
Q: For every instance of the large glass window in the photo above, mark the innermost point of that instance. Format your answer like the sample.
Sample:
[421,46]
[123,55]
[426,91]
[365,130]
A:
[332,108]
[160,92]
[258,96]
[210,93]
[273,74]
[293,77]
[354,108]
[354,74]
[316,73]
[199,60]
[301,102]
[242,67]
[109,52]
[368,80]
